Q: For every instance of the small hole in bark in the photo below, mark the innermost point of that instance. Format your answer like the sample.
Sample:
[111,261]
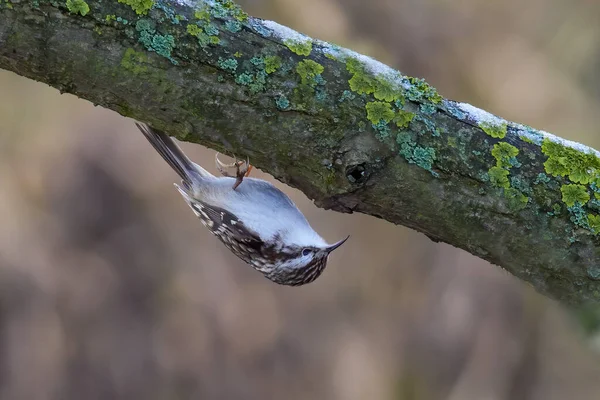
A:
[356,174]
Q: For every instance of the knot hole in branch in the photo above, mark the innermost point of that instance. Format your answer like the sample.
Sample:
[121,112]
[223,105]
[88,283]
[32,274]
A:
[357,174]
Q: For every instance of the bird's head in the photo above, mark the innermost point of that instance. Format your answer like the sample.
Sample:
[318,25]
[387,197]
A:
[303,264]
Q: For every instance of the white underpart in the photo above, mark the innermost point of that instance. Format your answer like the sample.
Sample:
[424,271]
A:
[264,210]
[478,116]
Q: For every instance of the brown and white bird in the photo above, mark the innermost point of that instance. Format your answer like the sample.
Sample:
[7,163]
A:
[254,219]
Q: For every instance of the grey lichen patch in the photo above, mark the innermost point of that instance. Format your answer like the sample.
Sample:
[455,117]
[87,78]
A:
[229,64]
[233,26]
[153,41]
[424,157]
[282,103]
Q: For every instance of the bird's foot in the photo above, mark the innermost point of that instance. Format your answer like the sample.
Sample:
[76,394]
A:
[242,169]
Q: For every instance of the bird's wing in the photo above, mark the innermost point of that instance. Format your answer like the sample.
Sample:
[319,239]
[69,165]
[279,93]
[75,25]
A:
[222,222]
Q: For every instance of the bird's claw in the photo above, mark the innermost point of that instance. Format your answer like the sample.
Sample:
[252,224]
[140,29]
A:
[242,169]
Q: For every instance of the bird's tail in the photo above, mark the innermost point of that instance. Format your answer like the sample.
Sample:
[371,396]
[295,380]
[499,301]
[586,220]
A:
[172,154]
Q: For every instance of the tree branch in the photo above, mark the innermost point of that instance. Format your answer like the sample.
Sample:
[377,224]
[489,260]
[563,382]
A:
[350,132]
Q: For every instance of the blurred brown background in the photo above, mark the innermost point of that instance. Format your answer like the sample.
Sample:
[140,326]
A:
[111,289]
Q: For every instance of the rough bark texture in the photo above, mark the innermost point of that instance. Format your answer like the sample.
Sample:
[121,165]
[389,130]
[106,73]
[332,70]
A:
[352,134]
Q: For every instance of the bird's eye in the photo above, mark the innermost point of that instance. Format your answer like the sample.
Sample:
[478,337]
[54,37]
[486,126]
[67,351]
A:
[305,252]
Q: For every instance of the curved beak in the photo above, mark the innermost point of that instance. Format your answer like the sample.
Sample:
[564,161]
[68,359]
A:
[334,246]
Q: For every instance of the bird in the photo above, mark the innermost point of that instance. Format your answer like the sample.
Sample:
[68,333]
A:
[255,220]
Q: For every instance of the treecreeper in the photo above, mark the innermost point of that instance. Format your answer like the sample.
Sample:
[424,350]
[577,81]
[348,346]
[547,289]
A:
[256,221]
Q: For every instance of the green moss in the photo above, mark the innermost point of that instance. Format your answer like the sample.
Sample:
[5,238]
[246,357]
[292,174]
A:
[194,30]
[282,103]
[494,130]
[237,54]
[556,167]
[499,177]
[574,193]
[301,48]
[556,210]
[161,44]
[403,118]
[565,161]
[203,14]
[516,200]
[308,71]
[503,153]
[141,7]
[362,84]
[203,39]
[594,223]
[383,90]
[78,6]
[229,64]
[379,111]
[272,64]
[526,139]
[206,32]
[354,66]
[110,18]
[135,61]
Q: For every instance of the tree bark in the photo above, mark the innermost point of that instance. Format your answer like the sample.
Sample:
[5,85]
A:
[351,133]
